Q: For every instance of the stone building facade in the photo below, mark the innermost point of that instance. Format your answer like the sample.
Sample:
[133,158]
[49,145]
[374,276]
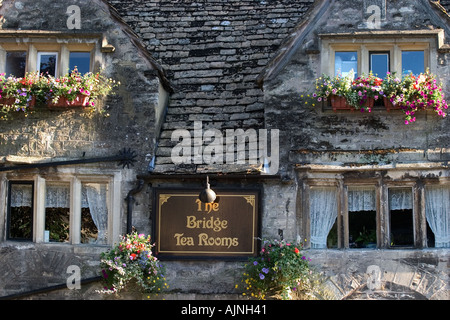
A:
[232,65]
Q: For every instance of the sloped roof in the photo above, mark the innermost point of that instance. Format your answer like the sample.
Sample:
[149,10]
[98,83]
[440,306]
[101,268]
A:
[212,52]
[216,54]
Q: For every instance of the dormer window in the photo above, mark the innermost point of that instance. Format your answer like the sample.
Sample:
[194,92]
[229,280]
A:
[378,52]
[54,53]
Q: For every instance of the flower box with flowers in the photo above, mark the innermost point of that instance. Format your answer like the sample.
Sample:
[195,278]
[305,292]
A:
[36,90]
[409,94]
[80,100]
[339,103]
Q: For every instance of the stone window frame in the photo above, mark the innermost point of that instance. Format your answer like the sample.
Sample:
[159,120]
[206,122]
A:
[430,41]
[341,184]
[75,178]
[34,42]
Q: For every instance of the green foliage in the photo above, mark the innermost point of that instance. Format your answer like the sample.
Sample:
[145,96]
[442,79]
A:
[37,90]
[280,271]
[410,93]
[131,260]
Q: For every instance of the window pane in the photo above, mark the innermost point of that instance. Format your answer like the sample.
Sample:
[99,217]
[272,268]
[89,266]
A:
[15,63]
[81,60]
[57,213]
[20,217]
[401,217]
[437,211]
[344,62]
[362,217]
[379,63]
[47,63]
[94,214]
[323,214]
[413,62]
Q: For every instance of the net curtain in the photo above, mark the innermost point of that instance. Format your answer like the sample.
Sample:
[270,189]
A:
[323,211]
[437,211]
[361,199]
[93,196]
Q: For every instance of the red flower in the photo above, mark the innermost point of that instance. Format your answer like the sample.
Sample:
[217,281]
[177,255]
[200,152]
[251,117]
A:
[132,256]
[296,251]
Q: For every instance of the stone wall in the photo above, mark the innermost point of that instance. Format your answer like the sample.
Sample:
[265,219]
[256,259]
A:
[134,116]
[214,52]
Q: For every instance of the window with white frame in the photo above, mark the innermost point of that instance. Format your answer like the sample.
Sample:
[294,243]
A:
[354,216]
[77,211]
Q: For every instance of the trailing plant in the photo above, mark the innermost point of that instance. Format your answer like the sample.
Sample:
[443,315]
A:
[410,93]
[35,90]
[280,271]
[362,89]
[132,261]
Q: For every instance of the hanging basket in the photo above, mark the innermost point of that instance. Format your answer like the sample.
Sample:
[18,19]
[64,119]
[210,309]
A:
[340,103]
[80,101]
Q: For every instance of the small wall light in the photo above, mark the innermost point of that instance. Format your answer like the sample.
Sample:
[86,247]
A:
[207,195]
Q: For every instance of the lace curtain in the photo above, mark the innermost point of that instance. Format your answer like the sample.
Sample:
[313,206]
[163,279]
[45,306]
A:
[437,211]
[361,199]
[21,195]
[93,196]
[400,199]
[96,196]
[323,210]
[57,196]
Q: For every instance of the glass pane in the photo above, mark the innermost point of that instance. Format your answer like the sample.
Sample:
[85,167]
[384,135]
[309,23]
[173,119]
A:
[323,214]
[15,63]
[344,62]
[94,213]
[81,60]
[437,211]
[57,213]
[20,222]
[413,62]
[401,217]
[379,64]
[362,217]
[47,63]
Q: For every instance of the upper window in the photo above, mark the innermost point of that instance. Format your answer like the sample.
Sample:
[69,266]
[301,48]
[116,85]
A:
[16,62]
[81,61]
[345,62]
[55,55]
[379,53]
[379,63]
[47,63]
[413,62]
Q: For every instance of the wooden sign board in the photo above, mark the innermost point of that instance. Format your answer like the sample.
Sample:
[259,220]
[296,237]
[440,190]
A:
[186,227]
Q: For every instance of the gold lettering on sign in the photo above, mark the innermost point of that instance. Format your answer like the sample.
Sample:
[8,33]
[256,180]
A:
[205,240]
[216,225]
[183,241]
[207,207]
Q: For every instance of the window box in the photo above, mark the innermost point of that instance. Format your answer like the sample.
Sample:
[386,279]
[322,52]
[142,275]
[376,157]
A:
[81,100]
[340,103]
[389,105]
[10,101]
